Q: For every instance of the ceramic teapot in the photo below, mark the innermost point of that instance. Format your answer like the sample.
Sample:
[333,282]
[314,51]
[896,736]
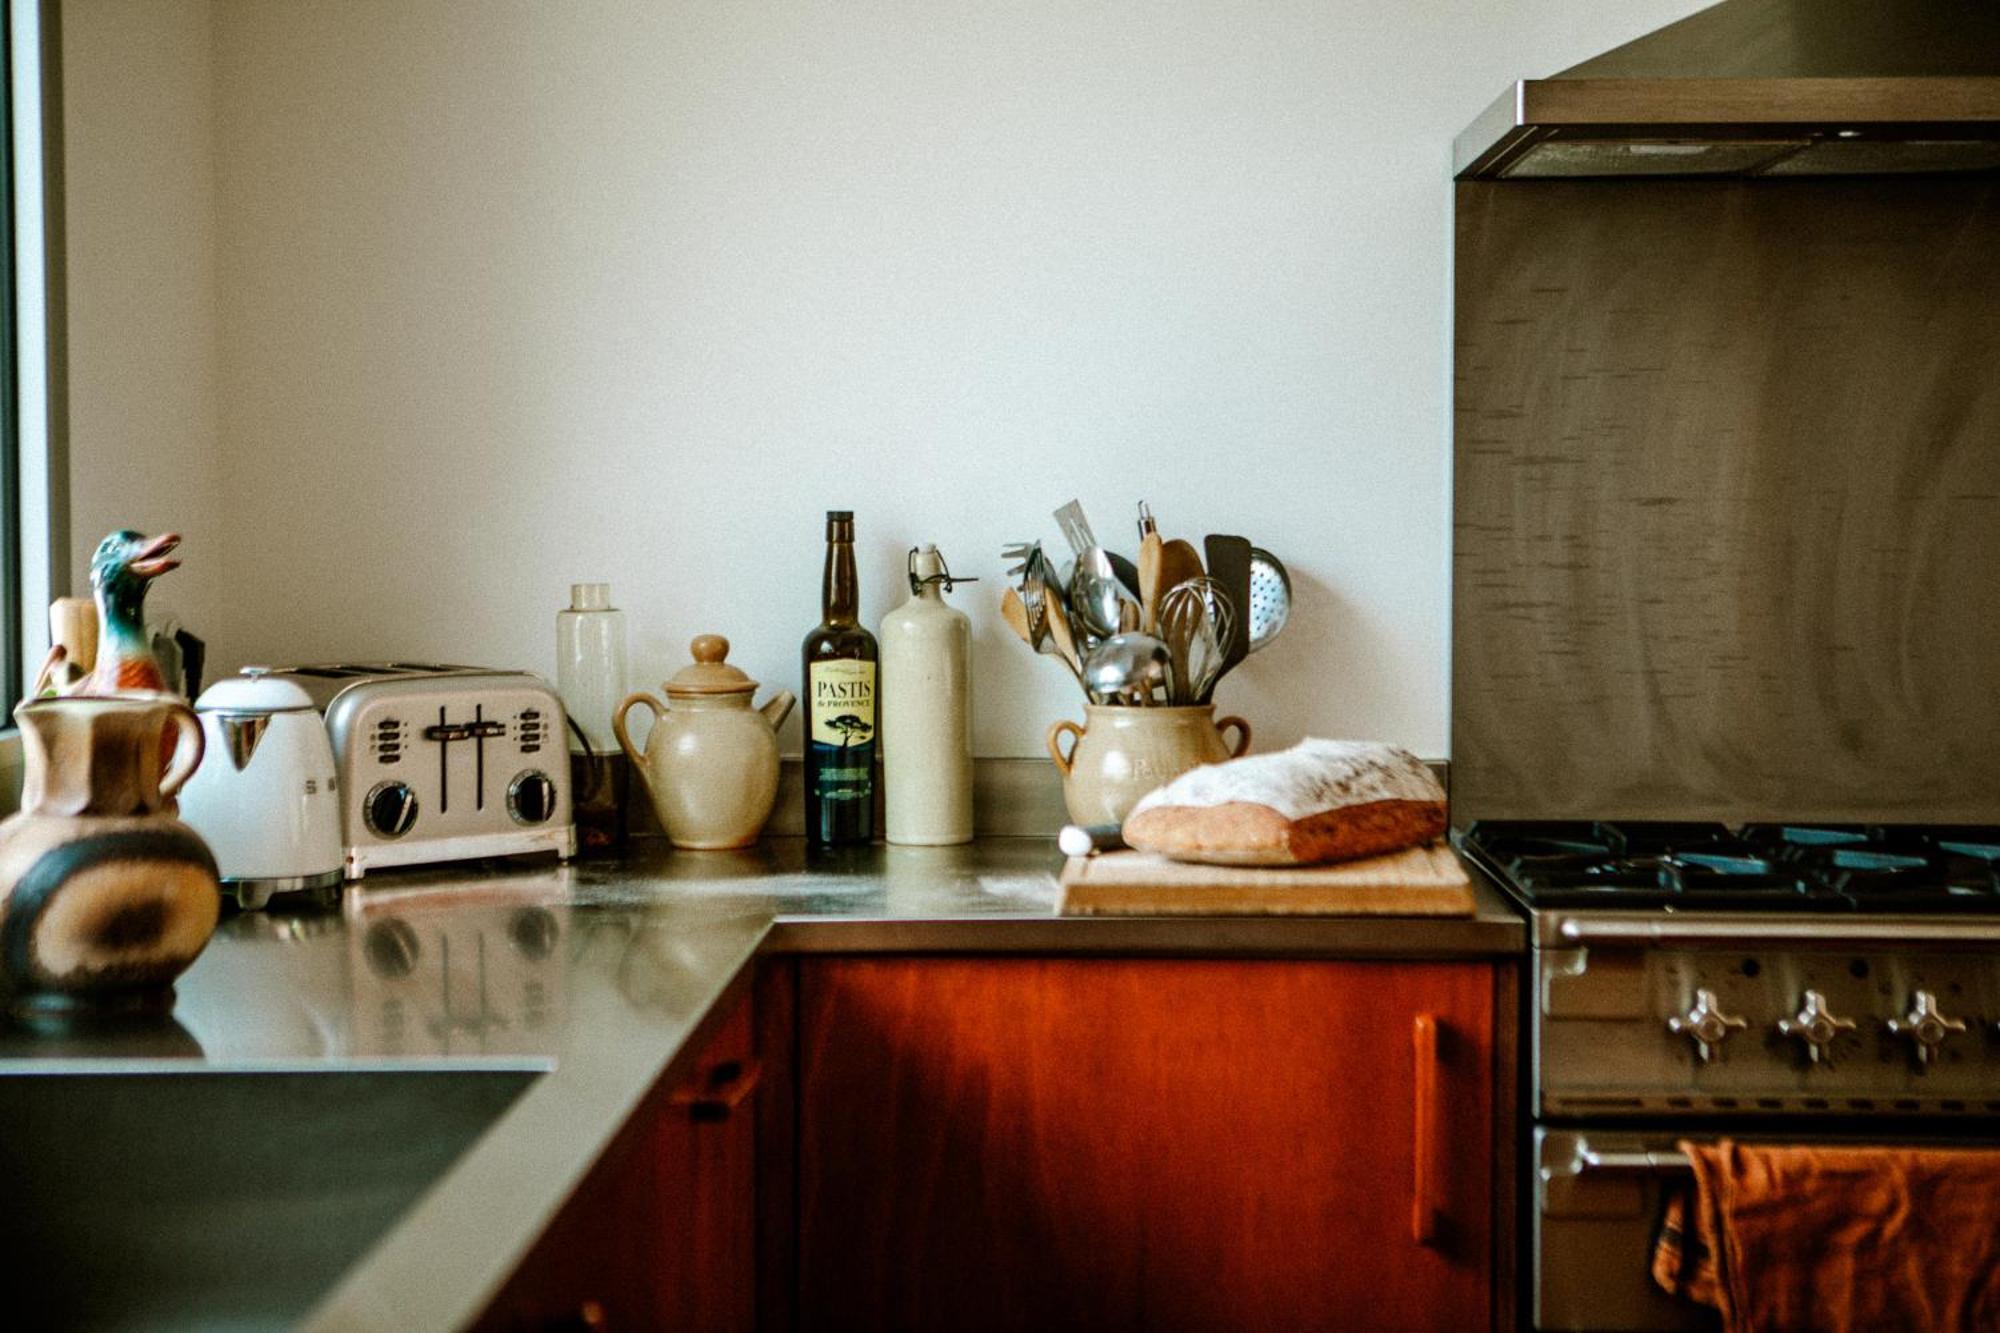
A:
[710,762]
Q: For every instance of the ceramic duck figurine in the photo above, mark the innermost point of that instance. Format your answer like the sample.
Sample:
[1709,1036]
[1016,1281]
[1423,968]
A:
[123,569]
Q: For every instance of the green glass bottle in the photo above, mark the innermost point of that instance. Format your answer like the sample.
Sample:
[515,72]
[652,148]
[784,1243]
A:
[840,716]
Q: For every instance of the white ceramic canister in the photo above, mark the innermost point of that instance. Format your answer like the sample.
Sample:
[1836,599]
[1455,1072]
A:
[926,702]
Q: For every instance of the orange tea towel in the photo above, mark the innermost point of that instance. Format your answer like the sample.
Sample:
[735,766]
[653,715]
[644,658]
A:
[1844,1240]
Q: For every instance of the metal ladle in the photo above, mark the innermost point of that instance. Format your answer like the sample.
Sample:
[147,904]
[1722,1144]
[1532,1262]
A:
[1097,596]
[1129,669]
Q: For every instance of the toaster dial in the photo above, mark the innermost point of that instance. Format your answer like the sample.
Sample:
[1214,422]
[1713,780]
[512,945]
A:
[531,797]
[390,810]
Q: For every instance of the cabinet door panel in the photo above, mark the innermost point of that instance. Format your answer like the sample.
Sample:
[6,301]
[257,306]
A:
[1009,1143]
[662,1232]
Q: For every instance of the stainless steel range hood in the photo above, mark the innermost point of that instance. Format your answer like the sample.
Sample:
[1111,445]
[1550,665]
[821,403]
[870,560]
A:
[1762,88]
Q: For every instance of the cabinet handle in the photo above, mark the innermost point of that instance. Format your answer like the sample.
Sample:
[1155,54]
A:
[727,1086]
[589,1318]
[1424,1214]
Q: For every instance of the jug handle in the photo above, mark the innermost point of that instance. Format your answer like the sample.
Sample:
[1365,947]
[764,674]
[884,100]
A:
[632,751]
[1057,729]
[188,750]
[1242,734]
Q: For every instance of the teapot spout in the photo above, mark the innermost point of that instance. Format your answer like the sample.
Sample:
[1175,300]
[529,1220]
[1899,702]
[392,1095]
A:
[778,707]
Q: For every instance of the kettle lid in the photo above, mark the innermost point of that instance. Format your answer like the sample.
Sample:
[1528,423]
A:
[254,694]
[709,674]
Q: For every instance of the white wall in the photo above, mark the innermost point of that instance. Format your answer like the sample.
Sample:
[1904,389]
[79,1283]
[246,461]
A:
[139,142]
[512,294]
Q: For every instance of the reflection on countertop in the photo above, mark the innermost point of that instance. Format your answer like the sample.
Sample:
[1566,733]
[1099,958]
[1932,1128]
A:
[494,965]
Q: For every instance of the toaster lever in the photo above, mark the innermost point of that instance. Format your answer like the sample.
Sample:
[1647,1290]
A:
[465,731]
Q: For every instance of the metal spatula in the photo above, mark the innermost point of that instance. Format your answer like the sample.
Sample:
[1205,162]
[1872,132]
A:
[1229,566]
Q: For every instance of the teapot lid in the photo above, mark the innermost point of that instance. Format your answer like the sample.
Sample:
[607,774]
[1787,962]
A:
[709,674]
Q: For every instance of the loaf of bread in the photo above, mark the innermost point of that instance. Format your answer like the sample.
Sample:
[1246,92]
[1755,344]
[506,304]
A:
[1318,801]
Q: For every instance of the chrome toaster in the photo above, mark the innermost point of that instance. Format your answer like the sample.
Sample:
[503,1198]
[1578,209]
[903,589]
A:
[442,763]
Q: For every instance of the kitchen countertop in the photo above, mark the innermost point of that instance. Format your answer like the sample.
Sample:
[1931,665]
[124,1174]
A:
[594,980]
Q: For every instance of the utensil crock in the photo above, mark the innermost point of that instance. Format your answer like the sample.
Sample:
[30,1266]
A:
[1121,753]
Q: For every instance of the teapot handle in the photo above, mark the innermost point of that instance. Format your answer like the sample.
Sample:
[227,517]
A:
[632,752]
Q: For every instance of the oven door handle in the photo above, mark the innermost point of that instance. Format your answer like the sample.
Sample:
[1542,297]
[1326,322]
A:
[1586,1159]
[1817,932]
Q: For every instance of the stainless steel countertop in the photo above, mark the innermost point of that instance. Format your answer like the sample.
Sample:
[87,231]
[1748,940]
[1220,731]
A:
[601,977]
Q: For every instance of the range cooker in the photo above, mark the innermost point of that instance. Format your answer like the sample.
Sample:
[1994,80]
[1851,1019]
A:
[1791,981]
[1725,710]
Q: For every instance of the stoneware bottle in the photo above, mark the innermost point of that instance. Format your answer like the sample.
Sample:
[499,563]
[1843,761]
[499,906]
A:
[104,894]
[710,763]
[1121,753]
[927,712]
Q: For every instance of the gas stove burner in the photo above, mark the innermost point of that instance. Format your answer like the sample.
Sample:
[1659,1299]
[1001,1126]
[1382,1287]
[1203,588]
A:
[1638,865]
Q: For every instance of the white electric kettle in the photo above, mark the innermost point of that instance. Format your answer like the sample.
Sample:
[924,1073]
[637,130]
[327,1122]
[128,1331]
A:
[267,797]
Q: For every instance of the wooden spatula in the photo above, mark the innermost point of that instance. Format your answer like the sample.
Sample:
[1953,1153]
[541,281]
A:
[1151,551]
[1016,615]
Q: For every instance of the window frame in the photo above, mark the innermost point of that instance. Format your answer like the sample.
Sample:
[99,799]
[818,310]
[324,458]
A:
[34,398]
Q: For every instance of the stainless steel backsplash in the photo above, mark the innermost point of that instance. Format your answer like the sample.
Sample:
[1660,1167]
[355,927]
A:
[1727,500]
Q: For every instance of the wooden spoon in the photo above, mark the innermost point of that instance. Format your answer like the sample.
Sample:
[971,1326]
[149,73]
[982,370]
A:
[1015,613]
[1179,562]
[1059,634]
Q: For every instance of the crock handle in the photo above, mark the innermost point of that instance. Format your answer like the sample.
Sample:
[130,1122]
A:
[1056,732]
[1242,734]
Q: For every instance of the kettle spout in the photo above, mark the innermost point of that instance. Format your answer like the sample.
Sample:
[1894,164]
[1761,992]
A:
[778,707]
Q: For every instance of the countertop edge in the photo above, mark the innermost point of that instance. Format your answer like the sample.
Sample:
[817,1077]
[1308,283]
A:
[444,1261]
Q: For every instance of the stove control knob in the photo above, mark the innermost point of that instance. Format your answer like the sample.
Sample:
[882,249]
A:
[1925,1026]
[1705,1025]
[1815,1025]
[389,810]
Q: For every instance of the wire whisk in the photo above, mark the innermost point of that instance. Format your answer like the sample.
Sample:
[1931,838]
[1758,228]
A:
[1196,621]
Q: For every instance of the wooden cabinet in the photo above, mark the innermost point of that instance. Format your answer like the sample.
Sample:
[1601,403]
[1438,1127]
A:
[978,1142]
[662,1232]
[1129,1143]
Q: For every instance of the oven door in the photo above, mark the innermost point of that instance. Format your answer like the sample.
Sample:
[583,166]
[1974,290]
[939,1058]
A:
[1598,1196]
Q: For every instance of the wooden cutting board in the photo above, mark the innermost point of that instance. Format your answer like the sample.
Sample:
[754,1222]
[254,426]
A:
[1423,881]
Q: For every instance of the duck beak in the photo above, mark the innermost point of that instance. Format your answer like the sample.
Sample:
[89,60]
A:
[156,556]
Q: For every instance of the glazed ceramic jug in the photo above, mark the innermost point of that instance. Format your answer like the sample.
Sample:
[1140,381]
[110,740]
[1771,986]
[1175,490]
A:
[710,762]
[104,894]
[1121,753]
